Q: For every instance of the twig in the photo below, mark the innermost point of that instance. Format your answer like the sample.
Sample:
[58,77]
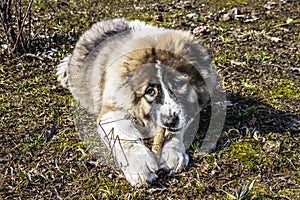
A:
[6,20]
[158,141]
[22,25]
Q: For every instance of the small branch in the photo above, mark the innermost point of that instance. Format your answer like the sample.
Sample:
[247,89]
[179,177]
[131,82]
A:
[5,8]
[29,28]
[22,25]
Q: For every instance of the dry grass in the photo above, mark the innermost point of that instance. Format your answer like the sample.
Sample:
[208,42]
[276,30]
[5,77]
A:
[257,54]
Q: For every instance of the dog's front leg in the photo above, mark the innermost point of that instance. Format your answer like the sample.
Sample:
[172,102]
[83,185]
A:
[173,157]
[123,139]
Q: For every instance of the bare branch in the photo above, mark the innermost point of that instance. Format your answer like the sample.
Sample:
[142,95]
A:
[22,25]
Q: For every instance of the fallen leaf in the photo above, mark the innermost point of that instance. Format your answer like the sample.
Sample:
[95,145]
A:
[191,15]
[230,14]
[234,62]
[200,30]
[269,5]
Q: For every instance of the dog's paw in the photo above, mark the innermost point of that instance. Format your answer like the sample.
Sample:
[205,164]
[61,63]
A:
[139,167]
[138,179]
[173,159]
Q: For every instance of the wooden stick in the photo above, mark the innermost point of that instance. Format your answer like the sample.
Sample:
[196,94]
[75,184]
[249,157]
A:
[158,141]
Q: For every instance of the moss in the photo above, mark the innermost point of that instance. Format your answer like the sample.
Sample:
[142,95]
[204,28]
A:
[227,2]
[259,190]
[244,152]
[284,88]
[291,193]
[31,100]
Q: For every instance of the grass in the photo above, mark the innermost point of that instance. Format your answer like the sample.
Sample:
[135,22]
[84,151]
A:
[257,156]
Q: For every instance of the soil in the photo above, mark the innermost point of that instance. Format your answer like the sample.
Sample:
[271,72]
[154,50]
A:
[255,46]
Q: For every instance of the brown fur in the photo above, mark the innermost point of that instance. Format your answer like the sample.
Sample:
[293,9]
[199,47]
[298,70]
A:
[89,68]
[109,73]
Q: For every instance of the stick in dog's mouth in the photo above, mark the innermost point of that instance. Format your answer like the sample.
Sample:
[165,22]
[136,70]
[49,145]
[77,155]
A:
[158,141]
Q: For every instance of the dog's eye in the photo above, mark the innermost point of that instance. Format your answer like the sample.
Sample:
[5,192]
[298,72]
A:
[150,91]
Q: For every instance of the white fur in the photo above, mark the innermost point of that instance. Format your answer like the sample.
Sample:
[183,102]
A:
[169,106]
[92,73]
[135,159]
[173,156]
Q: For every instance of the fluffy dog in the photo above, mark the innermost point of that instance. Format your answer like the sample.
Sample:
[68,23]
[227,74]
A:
[136,77]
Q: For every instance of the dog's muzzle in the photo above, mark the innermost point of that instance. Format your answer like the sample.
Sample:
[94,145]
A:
[171,122]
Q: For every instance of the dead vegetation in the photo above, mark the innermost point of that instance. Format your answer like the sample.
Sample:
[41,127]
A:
[255,45]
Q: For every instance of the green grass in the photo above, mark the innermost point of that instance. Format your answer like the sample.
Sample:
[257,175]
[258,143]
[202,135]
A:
[264,91]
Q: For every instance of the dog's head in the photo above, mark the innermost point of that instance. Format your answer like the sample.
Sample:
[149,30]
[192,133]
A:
[166,92]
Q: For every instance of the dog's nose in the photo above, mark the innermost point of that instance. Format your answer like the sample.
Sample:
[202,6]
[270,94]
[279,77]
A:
[170,121]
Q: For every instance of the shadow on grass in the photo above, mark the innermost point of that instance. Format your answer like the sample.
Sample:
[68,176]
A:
[246,115]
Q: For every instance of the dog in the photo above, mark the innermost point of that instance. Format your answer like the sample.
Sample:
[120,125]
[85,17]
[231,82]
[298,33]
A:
[136,77]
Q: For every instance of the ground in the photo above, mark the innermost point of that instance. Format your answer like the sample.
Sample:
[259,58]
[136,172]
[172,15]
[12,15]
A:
[256,49]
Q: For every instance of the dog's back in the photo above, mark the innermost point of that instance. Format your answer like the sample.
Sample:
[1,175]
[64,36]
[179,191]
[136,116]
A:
[78,72]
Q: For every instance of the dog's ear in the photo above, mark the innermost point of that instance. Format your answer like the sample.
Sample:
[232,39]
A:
[202,91]
[204,79]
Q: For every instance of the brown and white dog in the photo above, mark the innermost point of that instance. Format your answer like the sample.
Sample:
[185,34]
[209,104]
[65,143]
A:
[136,77]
